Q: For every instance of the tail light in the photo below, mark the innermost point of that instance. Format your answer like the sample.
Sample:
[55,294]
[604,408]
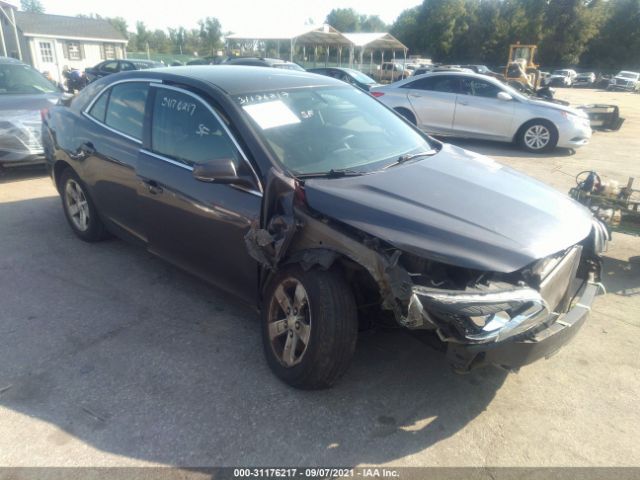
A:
[43,114]
[377,94]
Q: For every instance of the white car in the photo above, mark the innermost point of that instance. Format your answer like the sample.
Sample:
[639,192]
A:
[471,105]
[562,78]
[625,81]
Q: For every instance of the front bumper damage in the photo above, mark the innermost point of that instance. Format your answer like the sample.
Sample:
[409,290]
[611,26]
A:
[539,343]
[502,323]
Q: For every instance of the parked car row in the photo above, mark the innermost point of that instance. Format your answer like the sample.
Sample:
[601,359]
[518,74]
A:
[321,207]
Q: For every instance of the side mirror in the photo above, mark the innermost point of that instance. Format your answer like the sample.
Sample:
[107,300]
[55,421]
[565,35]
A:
[222,170]
[504,96]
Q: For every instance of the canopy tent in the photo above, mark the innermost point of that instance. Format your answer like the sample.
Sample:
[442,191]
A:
[374,41]
[322,35]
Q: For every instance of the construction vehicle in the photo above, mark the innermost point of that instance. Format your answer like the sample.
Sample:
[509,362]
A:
[521,66]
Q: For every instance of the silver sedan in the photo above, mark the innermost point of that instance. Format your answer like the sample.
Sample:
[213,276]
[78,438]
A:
[476,106]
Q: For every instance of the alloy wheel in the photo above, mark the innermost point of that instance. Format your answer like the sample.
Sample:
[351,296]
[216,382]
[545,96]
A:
[77,205]
[537,137]
[289,322]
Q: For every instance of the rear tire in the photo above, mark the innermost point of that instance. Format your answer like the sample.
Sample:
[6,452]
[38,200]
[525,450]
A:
[309,327]
[79,209]
[538,136]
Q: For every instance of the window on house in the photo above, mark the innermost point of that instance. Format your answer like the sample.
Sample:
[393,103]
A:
[73,51]
[46,52]
[109,51]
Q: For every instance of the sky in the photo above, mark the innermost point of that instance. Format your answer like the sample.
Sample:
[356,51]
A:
[234,15]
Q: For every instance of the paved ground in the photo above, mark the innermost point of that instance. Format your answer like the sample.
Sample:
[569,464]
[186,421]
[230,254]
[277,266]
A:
[109,356]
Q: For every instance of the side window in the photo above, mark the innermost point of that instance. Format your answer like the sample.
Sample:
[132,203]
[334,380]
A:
[440,83]
[479,88]
[126,108]
[184,129]
[124,66]
[109,67]
[99,109]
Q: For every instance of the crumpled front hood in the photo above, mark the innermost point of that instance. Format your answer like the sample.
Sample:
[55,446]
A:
[456,207]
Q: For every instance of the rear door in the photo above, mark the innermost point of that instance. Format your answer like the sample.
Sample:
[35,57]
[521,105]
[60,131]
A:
[108,148]
[433,99]
[196,225]
[479,112]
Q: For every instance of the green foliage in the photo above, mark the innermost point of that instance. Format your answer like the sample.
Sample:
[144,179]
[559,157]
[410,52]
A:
[347,20]
[33,6]
[599,33]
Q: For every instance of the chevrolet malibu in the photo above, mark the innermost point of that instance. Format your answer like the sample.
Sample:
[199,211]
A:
[476,106]
[324,209]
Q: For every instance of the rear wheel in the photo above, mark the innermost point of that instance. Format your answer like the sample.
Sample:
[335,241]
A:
[538,136]
[309,327]
[79,208]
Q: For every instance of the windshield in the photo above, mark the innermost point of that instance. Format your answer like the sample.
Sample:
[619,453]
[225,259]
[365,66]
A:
[631,75]
[361,77]
[316,130]
[563,73]
[16,78]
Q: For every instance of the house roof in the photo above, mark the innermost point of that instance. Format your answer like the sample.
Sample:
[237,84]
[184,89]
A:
[59,26]
[380,41]
[305,34]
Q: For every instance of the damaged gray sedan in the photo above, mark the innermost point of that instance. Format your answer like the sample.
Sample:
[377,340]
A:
[328,211]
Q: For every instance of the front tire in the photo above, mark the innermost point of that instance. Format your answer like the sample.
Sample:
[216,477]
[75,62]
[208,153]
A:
[538,136]
[309,327]
[79,209]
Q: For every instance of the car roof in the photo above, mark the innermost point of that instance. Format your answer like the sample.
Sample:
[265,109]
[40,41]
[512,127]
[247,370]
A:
[235,79]
[10,60]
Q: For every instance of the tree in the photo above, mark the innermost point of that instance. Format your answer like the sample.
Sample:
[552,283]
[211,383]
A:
[569,25]
[344,20]
[618,44]
[33,6]
[120,24]
[371,23]
[210,33]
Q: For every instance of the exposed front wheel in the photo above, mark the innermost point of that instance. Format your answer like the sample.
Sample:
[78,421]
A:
[79,209]
[309,327]
[538,136]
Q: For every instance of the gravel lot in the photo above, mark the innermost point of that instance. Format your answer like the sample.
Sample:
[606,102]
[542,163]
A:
[111,357]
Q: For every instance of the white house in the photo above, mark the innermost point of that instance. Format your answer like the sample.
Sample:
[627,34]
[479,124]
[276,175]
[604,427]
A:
[51,42]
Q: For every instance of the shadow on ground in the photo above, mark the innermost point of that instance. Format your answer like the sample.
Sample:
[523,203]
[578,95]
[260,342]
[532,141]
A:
[622,277]
[131,356]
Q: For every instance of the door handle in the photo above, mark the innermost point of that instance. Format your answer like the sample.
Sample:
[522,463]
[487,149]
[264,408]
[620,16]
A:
[463,103]
[415,95]
[153,187]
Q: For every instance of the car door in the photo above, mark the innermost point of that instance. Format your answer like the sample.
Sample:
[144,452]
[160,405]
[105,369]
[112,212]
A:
[197,225]
[433,99]
[480,113]
[108,145]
